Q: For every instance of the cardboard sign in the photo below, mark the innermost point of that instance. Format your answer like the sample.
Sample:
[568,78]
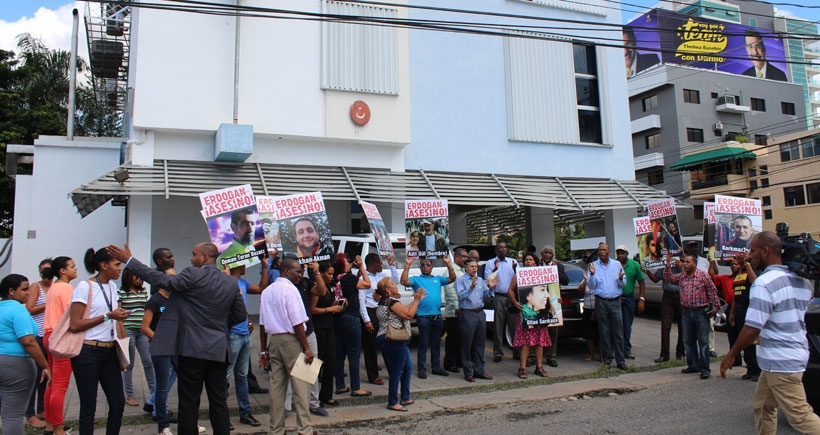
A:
[427,225]
[539,294]
[304,229]
[377,227]
[737,220]
[233,225]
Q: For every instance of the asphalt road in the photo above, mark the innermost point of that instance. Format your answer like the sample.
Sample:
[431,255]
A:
[687,407]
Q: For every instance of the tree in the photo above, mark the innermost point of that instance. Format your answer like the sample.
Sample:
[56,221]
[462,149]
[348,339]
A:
[563,235]
[34,102]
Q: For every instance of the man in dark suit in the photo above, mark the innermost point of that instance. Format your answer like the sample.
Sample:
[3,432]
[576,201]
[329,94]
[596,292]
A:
[757,53]
[194,327]
[636,62]
[548,259]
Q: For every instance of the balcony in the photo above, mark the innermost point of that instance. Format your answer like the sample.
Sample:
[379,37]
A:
[729,104]
[646,123]
[731,185]
[650,160]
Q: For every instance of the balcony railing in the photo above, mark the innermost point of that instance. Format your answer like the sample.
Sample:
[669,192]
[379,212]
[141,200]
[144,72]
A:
[721,180]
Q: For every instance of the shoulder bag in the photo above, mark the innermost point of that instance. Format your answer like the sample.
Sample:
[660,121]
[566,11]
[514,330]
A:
[397,329]
[64,343]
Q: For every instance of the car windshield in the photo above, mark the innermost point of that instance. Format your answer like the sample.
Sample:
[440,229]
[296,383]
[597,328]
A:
[576,275]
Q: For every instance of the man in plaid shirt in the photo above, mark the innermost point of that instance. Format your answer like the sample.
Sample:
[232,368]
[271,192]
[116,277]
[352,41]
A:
[699,301]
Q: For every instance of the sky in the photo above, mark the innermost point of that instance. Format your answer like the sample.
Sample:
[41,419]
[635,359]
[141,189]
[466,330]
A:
[50,20]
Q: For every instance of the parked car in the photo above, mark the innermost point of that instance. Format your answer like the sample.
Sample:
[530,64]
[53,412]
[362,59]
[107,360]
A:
[811,378]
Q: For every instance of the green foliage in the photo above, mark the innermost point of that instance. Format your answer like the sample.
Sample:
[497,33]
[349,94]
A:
[563,234]
[34,102]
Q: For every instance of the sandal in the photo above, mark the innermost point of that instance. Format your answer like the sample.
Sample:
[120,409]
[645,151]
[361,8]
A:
[522,373]
[589,358]
[407,402]
[540,372]
[343,390]
[332,402]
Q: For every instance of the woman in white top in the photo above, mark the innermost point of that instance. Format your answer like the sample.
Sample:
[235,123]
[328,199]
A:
[98,361]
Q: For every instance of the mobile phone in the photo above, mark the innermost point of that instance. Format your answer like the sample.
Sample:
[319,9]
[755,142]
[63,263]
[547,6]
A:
[340,302]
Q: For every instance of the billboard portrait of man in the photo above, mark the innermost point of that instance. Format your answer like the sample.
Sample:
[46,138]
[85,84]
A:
[636,62]
[756,50]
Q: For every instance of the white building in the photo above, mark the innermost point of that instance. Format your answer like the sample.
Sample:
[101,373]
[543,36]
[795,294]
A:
[216,101]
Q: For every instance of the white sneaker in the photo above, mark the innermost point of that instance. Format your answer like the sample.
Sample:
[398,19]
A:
[201,429]
[166,431]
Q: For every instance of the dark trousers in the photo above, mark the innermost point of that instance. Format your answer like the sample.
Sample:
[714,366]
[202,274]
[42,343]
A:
[670,311]
[473,326]
[696,339]
[326,342]
[750,353]
[370,348]
[192,374]
[452,343]
[551,350]
[162,374]
[39,388]
[99,366]
[253,384]
[502,320]
[627,317]
[610,329]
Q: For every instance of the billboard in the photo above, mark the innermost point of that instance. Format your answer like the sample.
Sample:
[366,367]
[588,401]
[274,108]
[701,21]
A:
[661,35]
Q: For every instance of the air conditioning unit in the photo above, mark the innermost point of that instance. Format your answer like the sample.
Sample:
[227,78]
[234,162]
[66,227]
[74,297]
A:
[726,99]
[718,126]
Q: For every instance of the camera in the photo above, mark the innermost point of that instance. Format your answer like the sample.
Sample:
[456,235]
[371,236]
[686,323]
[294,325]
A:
[800,253]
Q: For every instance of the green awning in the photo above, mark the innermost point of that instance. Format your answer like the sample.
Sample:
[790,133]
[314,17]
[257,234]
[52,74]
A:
[693,161]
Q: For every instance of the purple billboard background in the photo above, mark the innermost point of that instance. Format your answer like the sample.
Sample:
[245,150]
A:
[661,29]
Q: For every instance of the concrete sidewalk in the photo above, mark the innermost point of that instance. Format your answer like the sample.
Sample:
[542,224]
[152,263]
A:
[441,393]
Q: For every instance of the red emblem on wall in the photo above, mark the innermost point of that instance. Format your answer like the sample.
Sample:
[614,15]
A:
[359,113]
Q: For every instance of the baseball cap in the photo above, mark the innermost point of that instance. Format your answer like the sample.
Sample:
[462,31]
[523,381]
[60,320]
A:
[622,248]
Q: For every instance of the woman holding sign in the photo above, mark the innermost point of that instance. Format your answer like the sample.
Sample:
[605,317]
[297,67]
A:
[536,300]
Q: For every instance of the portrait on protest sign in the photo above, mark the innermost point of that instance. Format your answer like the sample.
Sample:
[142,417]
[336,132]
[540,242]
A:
[270,226]
[377,227]
[709,221]
[539,294]
[233,225]
[649,247]
[737,221]
[303,226]
[664,219]
[427,226]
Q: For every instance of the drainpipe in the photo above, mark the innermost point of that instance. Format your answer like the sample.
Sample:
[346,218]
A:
[72,81]
[236,67]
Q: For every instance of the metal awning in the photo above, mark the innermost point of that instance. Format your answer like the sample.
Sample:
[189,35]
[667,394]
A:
[694,161]
[169,178]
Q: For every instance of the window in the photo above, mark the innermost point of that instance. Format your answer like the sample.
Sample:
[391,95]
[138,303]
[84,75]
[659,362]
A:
[811,146]
[653,141]
[764,169]
[714,95]
[752,184]
[650,103]
[586,92]
[752,22]
[767,214]
[694,134]
[787,108]
[813,193]
[655,176]
[760,139]
[758,104]
[766,201]
[752,172]
[691,96]
[764,182]
[360,58]
[794,196]
[789,151]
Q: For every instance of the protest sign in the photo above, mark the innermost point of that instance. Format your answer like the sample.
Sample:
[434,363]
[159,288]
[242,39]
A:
[427,226]
[233,224]
[737,220]
[270,226]
[303,226]
[539,294]
[648,248]
[377,227]
[709,229]
[665,231]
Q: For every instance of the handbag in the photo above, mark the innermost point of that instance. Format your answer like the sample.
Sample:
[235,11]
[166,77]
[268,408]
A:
[397,330]
[64,343]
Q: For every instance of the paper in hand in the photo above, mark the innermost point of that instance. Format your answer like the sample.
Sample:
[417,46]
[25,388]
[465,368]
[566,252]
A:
[306,372]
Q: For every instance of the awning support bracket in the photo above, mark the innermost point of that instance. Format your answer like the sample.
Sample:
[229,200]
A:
[504,188]
[558,180]
[262,179]
[352,186]
[643,206]
[429,184]
[167,184]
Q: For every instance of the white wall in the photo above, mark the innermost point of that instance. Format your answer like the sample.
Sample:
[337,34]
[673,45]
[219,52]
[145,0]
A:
[42,204]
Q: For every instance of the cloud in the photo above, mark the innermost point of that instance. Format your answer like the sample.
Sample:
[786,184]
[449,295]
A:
[52,26]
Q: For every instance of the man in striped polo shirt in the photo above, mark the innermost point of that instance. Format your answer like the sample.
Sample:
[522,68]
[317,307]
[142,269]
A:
[777,306]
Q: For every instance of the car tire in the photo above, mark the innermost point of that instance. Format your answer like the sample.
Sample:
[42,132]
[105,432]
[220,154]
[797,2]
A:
[509,335]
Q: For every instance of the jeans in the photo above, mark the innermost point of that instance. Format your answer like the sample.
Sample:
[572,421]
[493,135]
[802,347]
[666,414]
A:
[162,370]
[429,337]
[240,353]
[696,339]
[628,316]
[17,378]
[138,341]
[348,329]
[99,366]
[400,368]
[610,329]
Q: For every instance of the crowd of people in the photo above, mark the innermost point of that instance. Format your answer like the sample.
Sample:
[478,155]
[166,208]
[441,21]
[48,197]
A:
[193,327]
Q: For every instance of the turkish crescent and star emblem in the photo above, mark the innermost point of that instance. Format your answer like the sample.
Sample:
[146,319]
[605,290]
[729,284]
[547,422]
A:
[359,112]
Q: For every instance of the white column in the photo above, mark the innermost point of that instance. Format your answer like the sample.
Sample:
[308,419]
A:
[540,227]
[619,229]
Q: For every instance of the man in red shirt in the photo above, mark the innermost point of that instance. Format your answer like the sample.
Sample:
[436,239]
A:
[736,293]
